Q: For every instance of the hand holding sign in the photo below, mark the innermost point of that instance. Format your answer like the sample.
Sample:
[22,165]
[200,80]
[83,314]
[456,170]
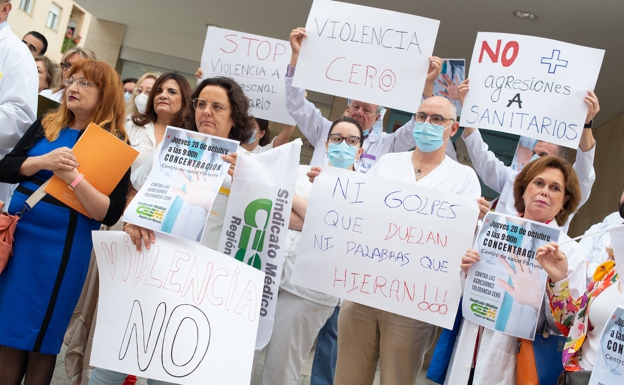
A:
[553,260]
[526,289]
[295,39]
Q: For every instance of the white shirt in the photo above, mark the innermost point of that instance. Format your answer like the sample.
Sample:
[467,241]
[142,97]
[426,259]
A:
[500,178]
[260,149]
[302,189]
[19,84]
[448,176]
[316,128]
[141,139]
[56,96]
[594,245]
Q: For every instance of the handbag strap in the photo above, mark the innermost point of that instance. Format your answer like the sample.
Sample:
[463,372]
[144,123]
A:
[35,198]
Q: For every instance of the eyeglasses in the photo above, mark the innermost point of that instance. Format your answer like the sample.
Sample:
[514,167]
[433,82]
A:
[338,138]
[138,91]
[65,66]
[436,119]
[216,107]
[82,83]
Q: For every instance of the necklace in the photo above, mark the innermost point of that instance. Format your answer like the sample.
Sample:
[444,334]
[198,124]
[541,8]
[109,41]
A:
[418,171]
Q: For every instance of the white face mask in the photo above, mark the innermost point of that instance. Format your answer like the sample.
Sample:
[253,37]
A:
[140,101]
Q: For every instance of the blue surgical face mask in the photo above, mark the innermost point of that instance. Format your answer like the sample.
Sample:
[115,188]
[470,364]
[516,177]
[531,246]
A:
[341,155]
[127,95]
[365,132]
[534,157]
[252,140]
[428,137]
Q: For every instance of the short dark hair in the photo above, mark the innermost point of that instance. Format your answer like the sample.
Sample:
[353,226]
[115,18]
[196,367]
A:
[347,119]
[42,38]
[536,167]
[130,80]
[239,103]
[150,113]
[263,125]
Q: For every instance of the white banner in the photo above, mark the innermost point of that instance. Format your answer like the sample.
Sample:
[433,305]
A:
[257,63]
[390,245]
[178,312]
[182,184]
[368,54]
[609,368]
[530,86]
[257,218]
[504,291]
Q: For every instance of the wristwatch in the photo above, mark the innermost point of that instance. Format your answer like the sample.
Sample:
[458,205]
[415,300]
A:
[590,124]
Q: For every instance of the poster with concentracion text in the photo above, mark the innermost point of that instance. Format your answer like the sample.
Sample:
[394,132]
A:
[386,244]
[368,54]
[530,86]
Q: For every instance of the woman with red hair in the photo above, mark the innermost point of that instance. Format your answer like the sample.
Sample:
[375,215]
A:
[40,285]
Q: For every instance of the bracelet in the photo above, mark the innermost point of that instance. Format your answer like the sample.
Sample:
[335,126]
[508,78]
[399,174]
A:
[73,184]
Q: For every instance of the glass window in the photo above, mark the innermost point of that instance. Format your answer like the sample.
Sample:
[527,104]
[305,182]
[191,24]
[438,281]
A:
[53,16]
[26,5]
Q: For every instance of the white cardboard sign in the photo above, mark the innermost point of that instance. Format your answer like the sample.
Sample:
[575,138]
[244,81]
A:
[179,312]
[367,54]
[390,245]
[257,63]
[530,86]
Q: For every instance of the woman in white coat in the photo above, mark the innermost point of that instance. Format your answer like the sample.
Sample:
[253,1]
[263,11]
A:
[547,191]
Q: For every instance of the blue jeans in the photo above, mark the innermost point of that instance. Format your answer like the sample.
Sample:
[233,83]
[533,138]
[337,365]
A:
[101,376]
[326,353]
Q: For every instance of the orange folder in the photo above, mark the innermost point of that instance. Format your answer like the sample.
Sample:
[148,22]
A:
[103,159]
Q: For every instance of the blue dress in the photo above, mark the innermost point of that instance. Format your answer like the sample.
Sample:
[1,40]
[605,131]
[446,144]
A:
[42,281]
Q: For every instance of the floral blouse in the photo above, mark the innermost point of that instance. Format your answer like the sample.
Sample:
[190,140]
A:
[572,315]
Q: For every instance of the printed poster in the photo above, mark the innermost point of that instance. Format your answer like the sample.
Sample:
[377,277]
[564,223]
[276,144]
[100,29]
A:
[182,184]
[609,368]
[452,74]
[256,222]
[505,290]
[257,63]
[530,86]
[390,245]
[178,312]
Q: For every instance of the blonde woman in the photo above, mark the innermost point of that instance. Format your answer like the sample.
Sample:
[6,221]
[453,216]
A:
[70,57]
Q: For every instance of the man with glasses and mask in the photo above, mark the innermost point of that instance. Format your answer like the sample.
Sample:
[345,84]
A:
[366,334]
[19,84]
[500,178]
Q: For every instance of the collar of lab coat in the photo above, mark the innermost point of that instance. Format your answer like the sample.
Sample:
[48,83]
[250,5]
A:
[377,129]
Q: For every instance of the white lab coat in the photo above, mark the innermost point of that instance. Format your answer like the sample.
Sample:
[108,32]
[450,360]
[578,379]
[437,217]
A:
[500,178]
[594,245]
[496,359]
[19,84]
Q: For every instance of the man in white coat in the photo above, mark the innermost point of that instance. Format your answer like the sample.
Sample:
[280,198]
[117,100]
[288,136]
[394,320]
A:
[18,88]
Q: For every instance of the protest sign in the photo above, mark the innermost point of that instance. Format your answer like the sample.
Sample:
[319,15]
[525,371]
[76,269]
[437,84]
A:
[504,291]
[178,312]
[530,86]
[452,74]
[609,367]
[390,245]
[183,182]
[257,218]
[368,54]
[257,63]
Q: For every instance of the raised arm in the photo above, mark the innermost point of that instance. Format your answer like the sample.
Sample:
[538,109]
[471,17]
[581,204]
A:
[584,164]
[307,117]
[284,136]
